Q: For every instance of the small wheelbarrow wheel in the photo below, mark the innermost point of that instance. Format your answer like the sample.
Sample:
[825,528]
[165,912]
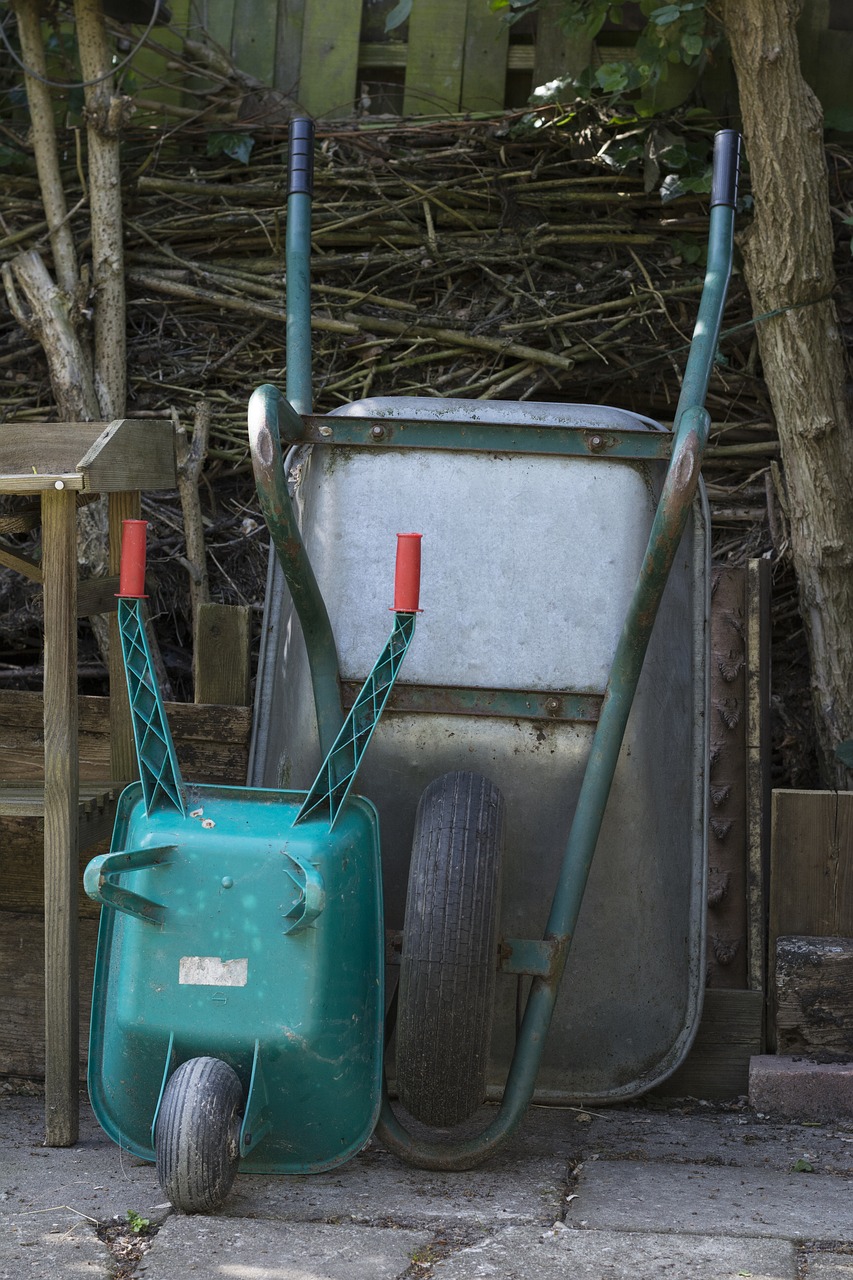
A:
[197,1135]
[449,957]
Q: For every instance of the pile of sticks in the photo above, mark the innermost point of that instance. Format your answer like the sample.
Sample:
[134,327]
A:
[452,258]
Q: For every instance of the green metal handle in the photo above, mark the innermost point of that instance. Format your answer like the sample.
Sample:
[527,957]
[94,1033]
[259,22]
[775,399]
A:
[270,418]
[99,885]
[297,261]
[310,896]
[162,784]
[691,434]
[333,783]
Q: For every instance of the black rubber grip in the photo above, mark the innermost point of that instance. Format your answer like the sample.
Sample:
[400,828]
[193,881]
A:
[726,167]
[300,157]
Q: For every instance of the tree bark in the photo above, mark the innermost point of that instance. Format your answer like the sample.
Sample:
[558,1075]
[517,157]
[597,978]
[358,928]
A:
[789,270]
[105,116]
[46,150]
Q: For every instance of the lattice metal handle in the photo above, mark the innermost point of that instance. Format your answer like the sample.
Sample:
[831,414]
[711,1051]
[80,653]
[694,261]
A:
[162,785]
[334,781]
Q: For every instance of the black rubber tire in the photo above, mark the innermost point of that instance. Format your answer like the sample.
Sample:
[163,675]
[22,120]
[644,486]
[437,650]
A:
[449,956]
[197,1136]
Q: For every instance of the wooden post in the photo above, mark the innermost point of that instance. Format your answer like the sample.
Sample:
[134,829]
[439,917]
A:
[222,654]
[758,767]
[61,981]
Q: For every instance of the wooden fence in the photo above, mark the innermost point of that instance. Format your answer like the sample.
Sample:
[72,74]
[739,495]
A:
[336,59]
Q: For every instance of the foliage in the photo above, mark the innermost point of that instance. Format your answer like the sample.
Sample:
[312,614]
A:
[682,33]
[398,15]
[137,1223]
[237,146]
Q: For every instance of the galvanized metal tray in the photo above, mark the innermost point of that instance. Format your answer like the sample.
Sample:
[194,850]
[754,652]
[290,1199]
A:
[530,561]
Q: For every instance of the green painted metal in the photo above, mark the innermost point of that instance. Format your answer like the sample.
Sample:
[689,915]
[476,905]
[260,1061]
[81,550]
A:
[298,1013]
[533,956]
[479,437]
[334,781]
[273,418]
[510,704]
[158,765]
[267,409]
[297,251]
[99,881]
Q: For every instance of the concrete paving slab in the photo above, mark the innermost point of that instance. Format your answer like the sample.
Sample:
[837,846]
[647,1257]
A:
[376,1186]
[522,1253]
[736,1138]
[94,1177]
[34,1247]
[829,1266]
[619,1195]
[98,1179]
[222,1249]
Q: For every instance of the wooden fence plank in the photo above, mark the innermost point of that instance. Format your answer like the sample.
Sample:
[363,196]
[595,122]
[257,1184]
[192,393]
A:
[222,657]
[758,767]
[485,55]
[811,864]
[729,1034]
[212,742]
[434,67]
[288,45]
[727,925]
[811,873]
[154,79]
[329,58]
[22,1026]
[814,996]
[555,55]
[253,40]
[216,18]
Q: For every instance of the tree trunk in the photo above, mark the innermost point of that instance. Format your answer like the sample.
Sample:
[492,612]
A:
[105,116]
[47,152]
[45,317]
[789,269]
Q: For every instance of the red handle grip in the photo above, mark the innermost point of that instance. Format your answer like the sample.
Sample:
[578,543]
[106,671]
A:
[407,578]
[132,576]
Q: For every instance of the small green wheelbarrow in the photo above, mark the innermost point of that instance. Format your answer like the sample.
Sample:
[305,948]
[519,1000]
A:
[240,1016]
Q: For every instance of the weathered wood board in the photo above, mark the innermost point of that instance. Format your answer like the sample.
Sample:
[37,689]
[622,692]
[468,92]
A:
[22,1004]
[212,742]
[814,996]
[811,864]
[729,1034]
[222,654]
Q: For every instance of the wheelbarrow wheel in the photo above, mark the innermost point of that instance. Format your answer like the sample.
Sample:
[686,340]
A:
[449,957]
[197,1135]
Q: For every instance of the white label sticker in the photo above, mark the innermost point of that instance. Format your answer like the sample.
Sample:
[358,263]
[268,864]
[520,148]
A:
[210,971]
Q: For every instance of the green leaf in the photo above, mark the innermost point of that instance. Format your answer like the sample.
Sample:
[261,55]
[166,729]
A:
[803,1166]
[692,45]
[612,77]
[665,15]
[237,146]
[398,15]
